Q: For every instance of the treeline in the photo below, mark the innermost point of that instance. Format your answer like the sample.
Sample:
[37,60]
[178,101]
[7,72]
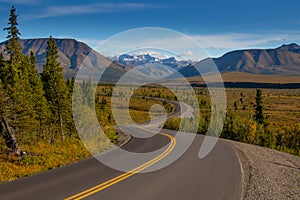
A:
[33,106]
[256,85]
[254,131]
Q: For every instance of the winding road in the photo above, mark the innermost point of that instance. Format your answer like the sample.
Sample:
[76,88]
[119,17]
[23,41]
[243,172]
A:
[217,176]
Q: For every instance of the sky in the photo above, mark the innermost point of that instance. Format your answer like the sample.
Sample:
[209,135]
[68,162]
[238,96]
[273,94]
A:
[218,26]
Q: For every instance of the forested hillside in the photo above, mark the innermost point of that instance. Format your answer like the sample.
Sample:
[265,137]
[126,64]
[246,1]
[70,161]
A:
[34,106]
[36,123]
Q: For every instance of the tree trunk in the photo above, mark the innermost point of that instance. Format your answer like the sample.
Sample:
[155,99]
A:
[9,137]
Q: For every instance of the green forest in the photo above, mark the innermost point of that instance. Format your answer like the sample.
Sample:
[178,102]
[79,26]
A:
[36,124]
[34,106]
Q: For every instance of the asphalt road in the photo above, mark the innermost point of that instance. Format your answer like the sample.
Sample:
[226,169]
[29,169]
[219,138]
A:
[217,176]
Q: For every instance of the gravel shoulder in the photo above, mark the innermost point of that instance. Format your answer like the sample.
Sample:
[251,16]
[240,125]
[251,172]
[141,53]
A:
[267,173]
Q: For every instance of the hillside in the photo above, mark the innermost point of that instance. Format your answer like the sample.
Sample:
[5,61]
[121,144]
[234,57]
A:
[284,60]
[71,55]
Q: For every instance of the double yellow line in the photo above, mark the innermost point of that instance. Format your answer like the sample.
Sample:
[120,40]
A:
[126,175]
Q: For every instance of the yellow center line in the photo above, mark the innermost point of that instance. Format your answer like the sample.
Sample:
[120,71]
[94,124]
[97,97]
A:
[126,175]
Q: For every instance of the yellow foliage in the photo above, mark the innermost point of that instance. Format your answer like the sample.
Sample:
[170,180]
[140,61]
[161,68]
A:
[252,131]
[45,157]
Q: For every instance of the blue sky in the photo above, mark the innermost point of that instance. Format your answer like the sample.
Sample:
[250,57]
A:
[219,26]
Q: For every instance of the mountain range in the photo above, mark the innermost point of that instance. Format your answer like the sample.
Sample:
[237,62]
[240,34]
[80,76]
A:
[137,60]
[284,60]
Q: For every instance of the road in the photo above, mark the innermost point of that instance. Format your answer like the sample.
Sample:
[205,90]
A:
[217,176]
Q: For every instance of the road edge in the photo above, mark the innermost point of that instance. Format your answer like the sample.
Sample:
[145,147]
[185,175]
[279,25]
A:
[268,173]
[244,167]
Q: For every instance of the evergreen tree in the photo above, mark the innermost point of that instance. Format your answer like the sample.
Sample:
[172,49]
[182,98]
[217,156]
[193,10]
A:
[56,91]
[23,98]
[259,114]
[13,48]
[39,101]
[228,130]
[16,80]
[16,85]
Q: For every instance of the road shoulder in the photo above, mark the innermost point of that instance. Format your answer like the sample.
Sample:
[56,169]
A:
[267,173]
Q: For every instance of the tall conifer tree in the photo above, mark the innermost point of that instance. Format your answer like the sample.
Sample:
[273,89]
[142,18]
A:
[11,76]
[56,91]
[39,101]
[13,48]
[259,108]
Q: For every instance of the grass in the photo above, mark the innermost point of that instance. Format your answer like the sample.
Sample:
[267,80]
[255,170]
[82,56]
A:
[282,106]
[44,158]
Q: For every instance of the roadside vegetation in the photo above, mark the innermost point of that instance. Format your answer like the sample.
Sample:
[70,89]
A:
[268,118]
[36,125]
[139,105]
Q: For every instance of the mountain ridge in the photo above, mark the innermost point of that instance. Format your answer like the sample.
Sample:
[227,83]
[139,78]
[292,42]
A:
[71,54]
[283,60]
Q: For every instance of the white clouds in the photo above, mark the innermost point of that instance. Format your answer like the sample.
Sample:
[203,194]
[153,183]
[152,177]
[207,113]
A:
[219,44]
[214,44]
[96,8]
[54,11]
[240,40]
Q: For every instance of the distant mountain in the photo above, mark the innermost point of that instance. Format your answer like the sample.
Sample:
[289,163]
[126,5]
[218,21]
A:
[131,61]
[293,47]
[71,55]
[284,60]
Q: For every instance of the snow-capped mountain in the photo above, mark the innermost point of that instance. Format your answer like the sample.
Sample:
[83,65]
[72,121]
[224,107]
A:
[138,60]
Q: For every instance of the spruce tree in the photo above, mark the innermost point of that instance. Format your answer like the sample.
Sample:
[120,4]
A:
[13,48]
[15,82]
[17,79]
[56,91]
[23,97]
[259,114]
[39,101]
